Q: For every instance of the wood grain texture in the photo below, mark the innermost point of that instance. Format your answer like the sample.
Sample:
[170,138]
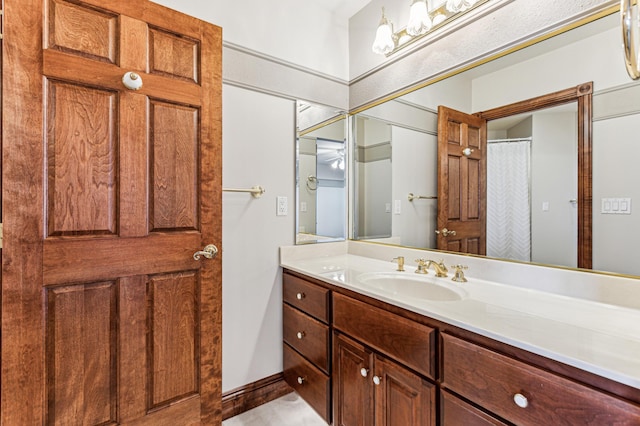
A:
[83,31]
[462,188]
[456,412]
[174,338]
[313,342]
[174,55]
[315,386]
[82,149]
[35,265]
[491,380]
[405,341]
[403,397]
[313,299]
[353,394]
[81,354]
[174,165]
[23,378]
[252,395]
[583,95]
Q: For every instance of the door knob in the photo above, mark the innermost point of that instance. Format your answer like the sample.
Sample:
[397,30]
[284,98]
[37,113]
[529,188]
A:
[208,252]
[445,232]
[132,80]
[467,152]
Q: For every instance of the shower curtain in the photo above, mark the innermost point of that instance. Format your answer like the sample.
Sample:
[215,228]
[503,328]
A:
[509,199]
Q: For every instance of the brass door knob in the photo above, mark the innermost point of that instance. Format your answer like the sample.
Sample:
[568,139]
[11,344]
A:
[445,232]
[209,252]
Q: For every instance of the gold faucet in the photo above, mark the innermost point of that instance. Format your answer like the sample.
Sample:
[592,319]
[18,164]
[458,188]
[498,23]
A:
[400,260]
[439,267]
[458,275]
[422,266]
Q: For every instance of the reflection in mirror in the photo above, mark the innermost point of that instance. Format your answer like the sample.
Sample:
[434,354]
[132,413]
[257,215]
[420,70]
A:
[588,53]
[532,186]
[320,175]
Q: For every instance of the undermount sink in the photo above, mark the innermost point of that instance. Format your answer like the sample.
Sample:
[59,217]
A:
[410,285]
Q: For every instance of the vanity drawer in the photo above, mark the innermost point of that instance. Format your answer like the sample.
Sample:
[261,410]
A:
[456,412]
[308,336]
[306,296]
[308,381]
[403,340]
[495,381]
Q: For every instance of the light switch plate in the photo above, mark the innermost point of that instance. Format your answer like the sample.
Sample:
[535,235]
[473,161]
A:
[397,206]
[616,206]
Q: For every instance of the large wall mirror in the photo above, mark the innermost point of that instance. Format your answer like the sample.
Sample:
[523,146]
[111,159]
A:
[536,168]
[321,170]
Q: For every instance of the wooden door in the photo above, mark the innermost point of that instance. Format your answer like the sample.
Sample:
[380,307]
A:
[352,388]
[108,192]
[402,397]
[462,182]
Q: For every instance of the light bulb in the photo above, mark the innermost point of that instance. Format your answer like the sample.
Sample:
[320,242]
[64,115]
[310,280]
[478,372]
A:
[383,42]
[419,21]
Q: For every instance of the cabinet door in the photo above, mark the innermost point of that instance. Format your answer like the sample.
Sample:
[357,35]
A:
[353,393]
[402,397]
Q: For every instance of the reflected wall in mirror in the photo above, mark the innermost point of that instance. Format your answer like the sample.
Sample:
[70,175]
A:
[591,52]
[321,166]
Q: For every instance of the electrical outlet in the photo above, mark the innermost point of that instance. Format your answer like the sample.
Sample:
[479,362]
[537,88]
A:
[282,206]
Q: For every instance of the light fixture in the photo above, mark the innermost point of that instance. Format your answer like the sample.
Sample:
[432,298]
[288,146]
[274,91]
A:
[419,19]
[384,42]
[630,20]
[424,16]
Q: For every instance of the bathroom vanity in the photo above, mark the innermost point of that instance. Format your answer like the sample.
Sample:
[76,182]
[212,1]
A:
[364,344]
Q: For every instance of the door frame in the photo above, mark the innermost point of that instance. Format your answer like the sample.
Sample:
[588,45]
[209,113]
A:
[583,95]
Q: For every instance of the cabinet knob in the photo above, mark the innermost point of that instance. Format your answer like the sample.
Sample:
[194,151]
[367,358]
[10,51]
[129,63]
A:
[520,400]
[300,296]
[132,81]
[300,334]
[377,380]
[301,380]
[364,372]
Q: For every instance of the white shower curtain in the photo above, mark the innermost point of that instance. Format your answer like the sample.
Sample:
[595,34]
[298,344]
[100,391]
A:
[509,199]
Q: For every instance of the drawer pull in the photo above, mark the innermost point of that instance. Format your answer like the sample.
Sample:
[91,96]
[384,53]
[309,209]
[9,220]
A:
[520,400]
[300,296]
[377,380]
[364,372]
[301,380]
[300,335]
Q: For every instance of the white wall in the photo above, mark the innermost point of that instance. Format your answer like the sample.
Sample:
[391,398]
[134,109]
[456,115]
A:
[308,35]
[554,181]
[616,174]
[258,149]
[414,169]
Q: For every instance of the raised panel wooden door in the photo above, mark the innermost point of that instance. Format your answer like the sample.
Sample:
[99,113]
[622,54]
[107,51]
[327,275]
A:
[462,182]
[107,318]
[402,397]
[352,387]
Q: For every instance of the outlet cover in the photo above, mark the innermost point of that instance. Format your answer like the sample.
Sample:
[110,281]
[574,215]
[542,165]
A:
[282,208]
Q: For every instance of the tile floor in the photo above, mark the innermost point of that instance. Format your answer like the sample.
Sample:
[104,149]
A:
[289,410]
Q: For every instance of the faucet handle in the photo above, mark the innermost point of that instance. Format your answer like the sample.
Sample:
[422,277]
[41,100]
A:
[458,275]
[422,266]
[400,260]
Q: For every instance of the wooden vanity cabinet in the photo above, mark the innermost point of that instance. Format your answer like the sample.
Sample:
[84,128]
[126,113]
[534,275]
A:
[368,387]
[307,342]
[363,364]
[523,394]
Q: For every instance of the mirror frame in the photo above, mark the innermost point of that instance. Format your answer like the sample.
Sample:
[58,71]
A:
[583,95]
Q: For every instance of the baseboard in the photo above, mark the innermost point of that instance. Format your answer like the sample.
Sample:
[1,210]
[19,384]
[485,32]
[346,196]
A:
[254,394]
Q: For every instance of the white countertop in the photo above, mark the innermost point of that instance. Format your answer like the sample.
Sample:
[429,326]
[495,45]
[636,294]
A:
[600,337]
